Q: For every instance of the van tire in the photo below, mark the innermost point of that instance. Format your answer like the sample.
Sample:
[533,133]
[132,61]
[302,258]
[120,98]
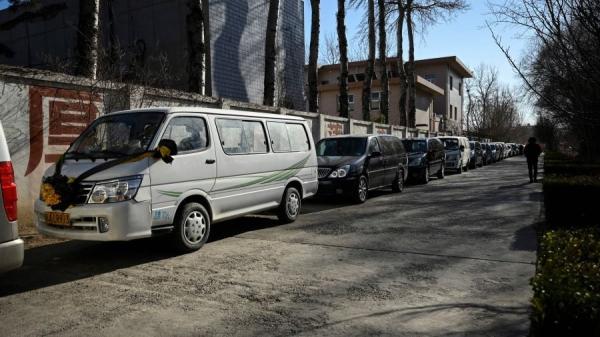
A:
[459,170]
[398,184]
[361,192]
[195,218]
[290,205]
[426,173]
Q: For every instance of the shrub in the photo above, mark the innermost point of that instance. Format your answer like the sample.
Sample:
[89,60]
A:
[571,200]
[566,286]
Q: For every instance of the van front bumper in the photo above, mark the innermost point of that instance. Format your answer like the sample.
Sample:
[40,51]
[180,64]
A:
[11,255]
[127,220]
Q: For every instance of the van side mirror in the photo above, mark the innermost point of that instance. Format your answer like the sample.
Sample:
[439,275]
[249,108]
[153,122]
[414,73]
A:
[462,148]
[375,154]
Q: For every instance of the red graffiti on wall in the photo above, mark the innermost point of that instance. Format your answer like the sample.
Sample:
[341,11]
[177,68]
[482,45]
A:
[334,129]
[66,112]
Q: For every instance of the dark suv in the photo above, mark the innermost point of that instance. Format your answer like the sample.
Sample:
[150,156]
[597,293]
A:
[354,165]
[476,155]
[426,157]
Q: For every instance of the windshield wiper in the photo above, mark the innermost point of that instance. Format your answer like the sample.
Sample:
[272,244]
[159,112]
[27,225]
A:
[108,153]
[79,155]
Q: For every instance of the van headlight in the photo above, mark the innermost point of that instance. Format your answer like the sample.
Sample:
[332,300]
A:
[340,172]
[121,189]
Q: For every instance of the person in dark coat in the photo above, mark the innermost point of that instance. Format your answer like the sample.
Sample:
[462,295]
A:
[532,152]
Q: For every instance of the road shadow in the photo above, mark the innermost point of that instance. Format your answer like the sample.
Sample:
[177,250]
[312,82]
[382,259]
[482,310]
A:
[68,261]
[525,239]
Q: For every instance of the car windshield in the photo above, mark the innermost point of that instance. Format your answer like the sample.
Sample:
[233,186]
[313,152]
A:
[414,145]
[117,135]
[333,147]
[450,143]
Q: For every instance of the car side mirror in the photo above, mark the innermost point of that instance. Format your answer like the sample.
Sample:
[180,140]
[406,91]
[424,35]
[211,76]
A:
[375,154]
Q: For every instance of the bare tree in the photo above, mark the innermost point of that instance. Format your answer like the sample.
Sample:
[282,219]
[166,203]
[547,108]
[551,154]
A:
[562,70]
[87,38]
[384,99]
[330,53]
[370,48]
[270,53]
[196,46]
[313,56]
[343,46]
[400,66]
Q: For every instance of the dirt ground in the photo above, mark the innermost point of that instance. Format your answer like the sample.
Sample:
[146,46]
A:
[452,258]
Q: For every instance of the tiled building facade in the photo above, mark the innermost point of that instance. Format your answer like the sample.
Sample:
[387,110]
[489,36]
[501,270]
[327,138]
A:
[154,31]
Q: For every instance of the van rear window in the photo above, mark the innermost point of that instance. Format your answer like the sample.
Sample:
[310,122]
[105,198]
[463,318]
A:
[288,137]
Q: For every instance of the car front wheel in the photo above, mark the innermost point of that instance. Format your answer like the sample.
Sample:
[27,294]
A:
[441,173]
[398,184]
[362,190]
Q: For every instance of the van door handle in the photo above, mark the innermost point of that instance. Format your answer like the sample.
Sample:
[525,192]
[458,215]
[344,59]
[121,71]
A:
[210,161]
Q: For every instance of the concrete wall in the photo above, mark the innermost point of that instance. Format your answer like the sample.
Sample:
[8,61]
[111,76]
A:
[152,31]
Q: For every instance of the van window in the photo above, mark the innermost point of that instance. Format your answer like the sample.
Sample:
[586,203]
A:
[288,137]
[374,146]
[387,146]
[189,133]
[241,137]
[298,137]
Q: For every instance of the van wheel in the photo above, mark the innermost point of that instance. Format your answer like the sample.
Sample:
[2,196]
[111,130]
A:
[362,190]
[192,227]
[441,173]
[460,168]
[289,208]
[398,184]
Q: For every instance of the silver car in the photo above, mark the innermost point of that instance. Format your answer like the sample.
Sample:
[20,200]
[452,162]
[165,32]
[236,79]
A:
[11,247]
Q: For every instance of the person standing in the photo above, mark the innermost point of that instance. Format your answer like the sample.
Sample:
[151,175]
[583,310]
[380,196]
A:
[532,152]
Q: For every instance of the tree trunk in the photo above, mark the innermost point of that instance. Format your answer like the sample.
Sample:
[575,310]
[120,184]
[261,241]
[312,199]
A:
[196,57]
[343,45]
[366,93]
[402,107]
[411,78]
[270,53]
[313,81]
[207,53]
[87,39]
[384,97]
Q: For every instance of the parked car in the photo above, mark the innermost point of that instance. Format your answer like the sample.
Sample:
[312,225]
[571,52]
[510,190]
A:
[226,164]
[491,153]
[457,153]
[354,165]
[426,157]
[501,150]
[476,154]
[484,153]
[11,246]
[521,149]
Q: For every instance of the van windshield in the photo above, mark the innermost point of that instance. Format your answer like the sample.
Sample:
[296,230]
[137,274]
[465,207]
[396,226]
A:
[342,147]
[450,143]
[413,145]
[117,135]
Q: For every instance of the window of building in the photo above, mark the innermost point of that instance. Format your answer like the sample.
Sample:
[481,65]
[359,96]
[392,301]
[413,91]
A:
[450,113]
[189,133]
[460,83]
[241,137]
[360,77]
[288,137]
[451,81]
[351,78]
[350,102]
[375,100]
[430,77]
[455,113]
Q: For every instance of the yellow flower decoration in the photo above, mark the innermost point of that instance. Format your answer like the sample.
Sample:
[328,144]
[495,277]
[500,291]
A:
[164,151]
[49,195]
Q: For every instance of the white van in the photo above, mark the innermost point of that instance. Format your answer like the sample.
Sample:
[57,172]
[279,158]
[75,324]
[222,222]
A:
[458,153]
[11,247]
[227,164]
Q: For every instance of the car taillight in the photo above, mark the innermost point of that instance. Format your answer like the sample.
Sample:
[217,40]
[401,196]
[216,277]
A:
[9,190]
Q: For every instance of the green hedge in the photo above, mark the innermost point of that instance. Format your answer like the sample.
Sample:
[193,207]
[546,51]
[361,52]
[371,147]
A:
[566,285]
[571,201]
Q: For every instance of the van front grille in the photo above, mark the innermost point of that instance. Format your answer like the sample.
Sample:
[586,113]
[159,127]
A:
[84,193]
[323,172]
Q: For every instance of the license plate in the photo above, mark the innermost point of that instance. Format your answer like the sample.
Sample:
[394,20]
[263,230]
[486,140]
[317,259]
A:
[58,218]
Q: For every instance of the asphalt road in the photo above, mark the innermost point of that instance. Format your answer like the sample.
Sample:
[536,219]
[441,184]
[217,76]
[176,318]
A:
[452,258]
